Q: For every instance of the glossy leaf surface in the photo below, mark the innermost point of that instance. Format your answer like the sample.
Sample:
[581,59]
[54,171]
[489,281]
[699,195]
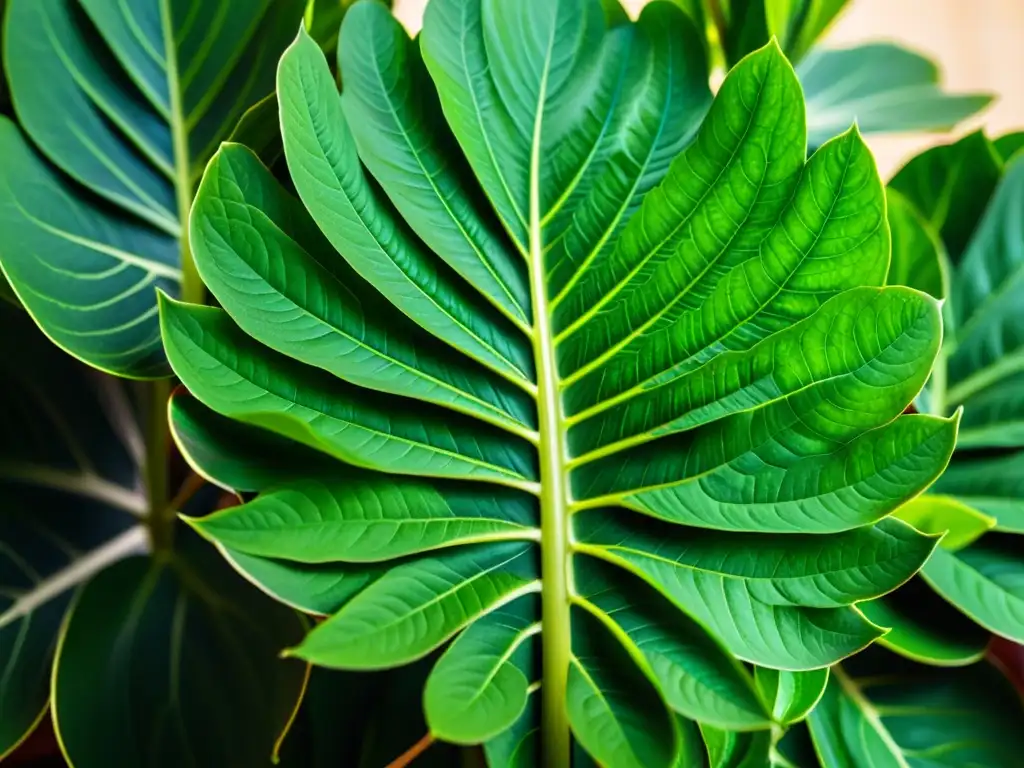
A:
[120,106]
[606,384]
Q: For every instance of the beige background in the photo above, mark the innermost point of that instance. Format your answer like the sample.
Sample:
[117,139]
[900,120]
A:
[978,44]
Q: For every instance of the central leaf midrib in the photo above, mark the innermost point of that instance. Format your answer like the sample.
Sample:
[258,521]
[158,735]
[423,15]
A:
[554,501]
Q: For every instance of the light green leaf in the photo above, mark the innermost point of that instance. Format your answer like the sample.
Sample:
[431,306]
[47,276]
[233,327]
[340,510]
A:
[881,86]
[126,105]
[392,108]
[985,581]
[416,606]
[480,686]
[792,695]
[352,516]
[571,277]
[946,515]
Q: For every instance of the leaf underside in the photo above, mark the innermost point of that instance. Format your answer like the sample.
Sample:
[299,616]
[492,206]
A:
[585,373]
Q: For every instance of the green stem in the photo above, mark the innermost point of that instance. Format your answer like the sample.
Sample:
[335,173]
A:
[554,500]
[192,288]
[160,520]
[937,406]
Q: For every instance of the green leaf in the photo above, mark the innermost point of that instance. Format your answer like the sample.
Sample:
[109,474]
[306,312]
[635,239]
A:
[695,675]
[175,650]
[881,86]
[179,655]
[848,731]
[415,607]
[966,192]
[232,455]
[992,486]
[315,589]
[125,107]
[613,710]
[480,686]
[918,258]
[950,185]
[792,695]
[946,515]
[240,378]
[884,712]
[796,585]
[540,291]
[987,344]
[283,285]
[926,628]
[354,516]
[68,475]
[1008,144]
[729,749]
[985,581]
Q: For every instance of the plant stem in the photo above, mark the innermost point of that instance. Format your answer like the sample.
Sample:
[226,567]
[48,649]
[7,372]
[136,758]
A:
[554,501]
[160,520]
[937,406]
[192,288]
[413,752]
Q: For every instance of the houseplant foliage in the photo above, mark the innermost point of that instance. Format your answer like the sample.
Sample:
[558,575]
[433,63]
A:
[610,418]
[144,638]
[881,710]
[120,106]
[884,86]
[955,215]
[148,659]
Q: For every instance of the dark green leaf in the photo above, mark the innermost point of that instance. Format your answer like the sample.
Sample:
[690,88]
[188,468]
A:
[181,658]
[126,104]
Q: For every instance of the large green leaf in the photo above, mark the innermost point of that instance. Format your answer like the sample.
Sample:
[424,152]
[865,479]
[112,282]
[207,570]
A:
[884,87]
[166,663]
[883,712]
[120,106]
[603,386]
[959,206]
[177,651]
